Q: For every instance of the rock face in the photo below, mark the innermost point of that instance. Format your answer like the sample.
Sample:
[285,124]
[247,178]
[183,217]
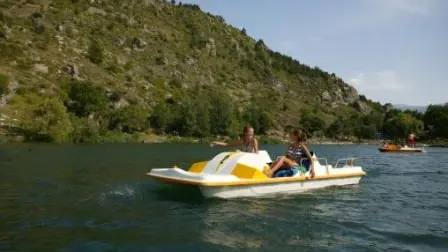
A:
[73,70]
[362,107]
[120,41]
[350,94]
[40,68]
[13,86]
[138,43]
[97,11]
[121,103]
[190,61]
[236,47]
[211,47]
[326,96]
[342,94]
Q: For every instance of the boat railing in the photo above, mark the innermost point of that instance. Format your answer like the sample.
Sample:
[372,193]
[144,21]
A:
[324,161]
[345,162]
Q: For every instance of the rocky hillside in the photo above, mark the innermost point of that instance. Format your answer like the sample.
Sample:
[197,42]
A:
[81,70]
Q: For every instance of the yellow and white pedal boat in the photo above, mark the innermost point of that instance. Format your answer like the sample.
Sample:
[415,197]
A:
[240,174]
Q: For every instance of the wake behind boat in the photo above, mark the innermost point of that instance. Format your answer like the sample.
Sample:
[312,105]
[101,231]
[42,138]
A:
[240,174]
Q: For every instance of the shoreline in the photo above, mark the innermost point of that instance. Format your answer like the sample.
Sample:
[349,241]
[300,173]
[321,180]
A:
[166,139]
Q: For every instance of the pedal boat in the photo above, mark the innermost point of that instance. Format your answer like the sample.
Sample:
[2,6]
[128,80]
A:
[240,174]
[404,149]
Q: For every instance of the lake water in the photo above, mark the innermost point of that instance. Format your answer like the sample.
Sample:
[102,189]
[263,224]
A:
[98,198]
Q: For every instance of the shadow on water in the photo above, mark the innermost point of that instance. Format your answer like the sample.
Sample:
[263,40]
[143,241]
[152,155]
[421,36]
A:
[179,193]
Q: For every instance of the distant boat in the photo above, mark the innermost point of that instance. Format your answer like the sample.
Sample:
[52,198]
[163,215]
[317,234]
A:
[405,149]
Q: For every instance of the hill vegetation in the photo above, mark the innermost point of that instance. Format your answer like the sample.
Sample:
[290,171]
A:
[92,71]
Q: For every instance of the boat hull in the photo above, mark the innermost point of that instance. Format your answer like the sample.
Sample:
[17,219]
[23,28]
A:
[265,190]
[402,151]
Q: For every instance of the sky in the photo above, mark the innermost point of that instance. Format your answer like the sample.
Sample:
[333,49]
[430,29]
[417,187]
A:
[392,51]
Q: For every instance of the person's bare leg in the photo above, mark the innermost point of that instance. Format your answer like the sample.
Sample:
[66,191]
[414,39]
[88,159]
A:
[282,161]
[277,163]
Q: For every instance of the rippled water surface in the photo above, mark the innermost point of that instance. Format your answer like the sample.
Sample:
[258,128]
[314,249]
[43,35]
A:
[98,198]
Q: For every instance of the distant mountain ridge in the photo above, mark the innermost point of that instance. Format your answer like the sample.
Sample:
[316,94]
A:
[421,109]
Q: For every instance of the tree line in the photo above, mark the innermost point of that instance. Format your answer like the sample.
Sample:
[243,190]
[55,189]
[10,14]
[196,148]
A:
[82,112]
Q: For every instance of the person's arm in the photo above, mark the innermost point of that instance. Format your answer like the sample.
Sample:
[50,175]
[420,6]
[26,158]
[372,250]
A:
[217,143]
[308,154]
[255,145]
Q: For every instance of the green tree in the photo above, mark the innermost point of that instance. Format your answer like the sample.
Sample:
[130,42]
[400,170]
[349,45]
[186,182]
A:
[202,117]
[374,118]
[220,112]
[187,119]
[259,119]
[46,118]
[161,117]
[85,130]
[336,128]
[367,131]
[85,98]
[130,119]
[95,52]
[235,127]
[399,126]
[436,119]
[311,122]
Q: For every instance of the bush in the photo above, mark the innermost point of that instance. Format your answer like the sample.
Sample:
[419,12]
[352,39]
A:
[38,25]
[129,119]
[160,117]
[311,122]
[259,119]
[367,132]
[221,112]
[95,52]
[3,85]
[85,99]
[46,119]
[85,130]
[175,83]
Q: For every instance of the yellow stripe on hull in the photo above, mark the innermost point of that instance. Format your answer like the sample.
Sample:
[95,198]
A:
[255,181]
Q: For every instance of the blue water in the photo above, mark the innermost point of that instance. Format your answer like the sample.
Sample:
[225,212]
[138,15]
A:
[97,198]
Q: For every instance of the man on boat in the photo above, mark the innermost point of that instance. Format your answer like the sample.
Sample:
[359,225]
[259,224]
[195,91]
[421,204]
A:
[411,140]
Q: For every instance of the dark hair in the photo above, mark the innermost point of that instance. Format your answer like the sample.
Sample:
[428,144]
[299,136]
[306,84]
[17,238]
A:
[246,128]
[300,134]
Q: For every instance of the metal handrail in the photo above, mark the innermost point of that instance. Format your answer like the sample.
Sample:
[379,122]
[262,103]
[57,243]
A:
[351,163]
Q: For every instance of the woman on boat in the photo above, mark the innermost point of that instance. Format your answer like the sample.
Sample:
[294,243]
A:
[289,165]
[248,144]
